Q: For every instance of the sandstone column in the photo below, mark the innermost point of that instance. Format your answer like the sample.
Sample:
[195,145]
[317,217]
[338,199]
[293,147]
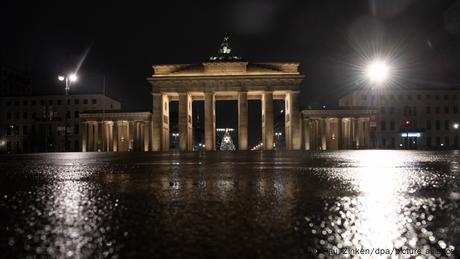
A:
[328,133]
[354,133]
[110,136]
[103,132]
[84,136]
[116,138]
[243,121]
[165,123]
[185,122]
[147,135]
[157,122]
[296,136]
[306,133]
[131,137]
[287,122]
[322,133]
[140,129]
[209,121]
[267,120]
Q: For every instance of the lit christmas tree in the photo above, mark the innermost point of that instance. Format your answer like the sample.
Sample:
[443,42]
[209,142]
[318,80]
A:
[227,143]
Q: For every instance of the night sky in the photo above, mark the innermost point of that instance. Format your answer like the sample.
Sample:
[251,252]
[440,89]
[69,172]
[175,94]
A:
[328,38]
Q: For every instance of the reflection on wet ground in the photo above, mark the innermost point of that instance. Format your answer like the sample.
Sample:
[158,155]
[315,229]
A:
[230,205]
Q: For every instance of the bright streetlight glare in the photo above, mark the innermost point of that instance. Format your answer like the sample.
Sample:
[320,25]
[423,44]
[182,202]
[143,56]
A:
[378,71]
[73,77]
[61,78]
[456,125]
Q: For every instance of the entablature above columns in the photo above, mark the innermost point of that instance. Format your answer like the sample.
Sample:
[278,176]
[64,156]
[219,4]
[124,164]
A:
[226,84]
[116,116]
[228,95]
[346,113]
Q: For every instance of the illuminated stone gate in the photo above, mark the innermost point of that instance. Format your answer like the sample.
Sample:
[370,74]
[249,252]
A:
[115,131]
[338,129]
[225,77]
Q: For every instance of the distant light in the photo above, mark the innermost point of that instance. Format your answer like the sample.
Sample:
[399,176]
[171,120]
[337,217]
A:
[282,111]
[61,78]
[442,144]
[456,125]
[411,135]
[400,145]
[377,71]
[225,129]
[72,77]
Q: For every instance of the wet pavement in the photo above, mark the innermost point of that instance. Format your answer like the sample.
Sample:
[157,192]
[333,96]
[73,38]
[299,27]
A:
[230,205]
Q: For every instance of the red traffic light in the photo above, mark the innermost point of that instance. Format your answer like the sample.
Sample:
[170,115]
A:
[407,123]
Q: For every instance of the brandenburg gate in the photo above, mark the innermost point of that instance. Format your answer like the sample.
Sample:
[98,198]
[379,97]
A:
[225,77]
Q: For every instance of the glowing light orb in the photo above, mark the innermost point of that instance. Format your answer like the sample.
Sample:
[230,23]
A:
[378,71]
[73,77]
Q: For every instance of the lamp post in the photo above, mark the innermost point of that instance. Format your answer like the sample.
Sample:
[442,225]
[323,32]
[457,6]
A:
[68,80]
[377,73]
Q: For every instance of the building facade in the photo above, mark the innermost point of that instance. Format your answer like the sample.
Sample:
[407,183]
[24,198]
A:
[38,123]
[412,118]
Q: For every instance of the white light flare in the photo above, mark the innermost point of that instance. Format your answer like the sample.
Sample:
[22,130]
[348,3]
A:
[73,77]
[378,72]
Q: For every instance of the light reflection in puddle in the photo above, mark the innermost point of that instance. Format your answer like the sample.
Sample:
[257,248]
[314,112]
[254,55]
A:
[67,219]
[385,216]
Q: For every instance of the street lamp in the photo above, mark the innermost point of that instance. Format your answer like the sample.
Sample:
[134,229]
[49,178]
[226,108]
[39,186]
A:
[456,125]
[68,80]
[377,71]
